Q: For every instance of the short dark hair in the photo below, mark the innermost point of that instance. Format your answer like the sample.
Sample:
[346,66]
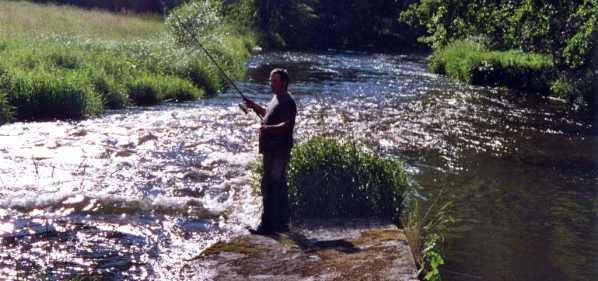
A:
[284,75]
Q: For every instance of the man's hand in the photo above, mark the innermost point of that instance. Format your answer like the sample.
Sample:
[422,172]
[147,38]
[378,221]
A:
[265,130]
[249,103]
[256,107]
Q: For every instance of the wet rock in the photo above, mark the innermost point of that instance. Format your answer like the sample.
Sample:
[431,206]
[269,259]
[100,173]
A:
[79,133]
[146,138]
[328,250]
[197,175]
[125,153]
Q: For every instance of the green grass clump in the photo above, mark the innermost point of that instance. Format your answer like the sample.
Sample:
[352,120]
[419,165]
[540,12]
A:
[41,94]
[471,62]
[332,179]
[5,109]
[152,89]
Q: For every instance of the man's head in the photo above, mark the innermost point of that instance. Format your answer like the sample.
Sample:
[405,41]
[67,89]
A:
[279,80]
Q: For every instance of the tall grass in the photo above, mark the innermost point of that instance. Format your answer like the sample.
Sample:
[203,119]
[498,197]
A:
[21,18]
[471,62]
[426,224]
[78,72]
[335,179]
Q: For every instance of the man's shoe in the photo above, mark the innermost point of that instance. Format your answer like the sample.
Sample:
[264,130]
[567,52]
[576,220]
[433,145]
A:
[261,231]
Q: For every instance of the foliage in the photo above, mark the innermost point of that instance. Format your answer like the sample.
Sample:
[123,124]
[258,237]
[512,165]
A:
[562,29]
[332,179]
[323,24]
[471,62]
[433,260]
[194,20]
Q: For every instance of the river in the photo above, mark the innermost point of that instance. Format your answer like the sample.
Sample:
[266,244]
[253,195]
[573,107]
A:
[131,194]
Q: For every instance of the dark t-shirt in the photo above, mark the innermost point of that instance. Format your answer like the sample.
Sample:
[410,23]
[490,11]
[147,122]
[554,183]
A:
[280,109]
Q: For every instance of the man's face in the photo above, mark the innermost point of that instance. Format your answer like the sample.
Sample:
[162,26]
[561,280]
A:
[276,83]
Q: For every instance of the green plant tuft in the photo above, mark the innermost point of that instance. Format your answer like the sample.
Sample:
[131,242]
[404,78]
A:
[332,179]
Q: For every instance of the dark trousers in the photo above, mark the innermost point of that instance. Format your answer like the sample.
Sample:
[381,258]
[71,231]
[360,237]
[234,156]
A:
[275,212]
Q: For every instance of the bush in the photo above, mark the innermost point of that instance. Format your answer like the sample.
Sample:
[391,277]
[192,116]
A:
[331,179]
[194,20]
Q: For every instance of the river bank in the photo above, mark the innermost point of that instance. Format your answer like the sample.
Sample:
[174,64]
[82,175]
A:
[78,63]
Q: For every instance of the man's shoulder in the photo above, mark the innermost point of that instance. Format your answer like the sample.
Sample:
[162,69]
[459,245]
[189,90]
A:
[288,98]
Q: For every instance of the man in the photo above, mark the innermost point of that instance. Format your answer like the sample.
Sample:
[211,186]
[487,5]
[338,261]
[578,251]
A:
[275,143]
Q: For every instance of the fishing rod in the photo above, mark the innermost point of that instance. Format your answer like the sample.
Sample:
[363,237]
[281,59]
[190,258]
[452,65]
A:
[195,40]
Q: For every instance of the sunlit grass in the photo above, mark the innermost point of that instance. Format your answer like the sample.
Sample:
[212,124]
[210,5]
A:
[20,18]
[473,63]
[328,178]
[83,65]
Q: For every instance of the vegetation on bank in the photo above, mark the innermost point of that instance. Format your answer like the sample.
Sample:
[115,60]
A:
[73,72]
[332,179]
[564,31]
[426,224]
[474,63]
[326,24]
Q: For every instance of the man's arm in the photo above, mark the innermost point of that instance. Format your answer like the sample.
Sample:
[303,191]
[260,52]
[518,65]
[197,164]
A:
[256,107]
[277,129]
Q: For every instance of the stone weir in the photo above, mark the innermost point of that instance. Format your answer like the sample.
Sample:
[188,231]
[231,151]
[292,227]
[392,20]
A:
[313,250]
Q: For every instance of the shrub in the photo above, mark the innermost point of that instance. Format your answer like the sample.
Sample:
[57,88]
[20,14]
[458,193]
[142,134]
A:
[331,179]
[194,20]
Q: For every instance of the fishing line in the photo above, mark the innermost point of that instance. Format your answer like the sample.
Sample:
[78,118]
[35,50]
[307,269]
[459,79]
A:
[194,39]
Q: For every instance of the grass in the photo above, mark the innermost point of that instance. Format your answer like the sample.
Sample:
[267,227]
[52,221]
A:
[77,66]
[335,179]
[471,62]
[21,18]
[425,225]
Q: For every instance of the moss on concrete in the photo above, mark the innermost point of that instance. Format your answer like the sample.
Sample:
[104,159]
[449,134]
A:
[237,245]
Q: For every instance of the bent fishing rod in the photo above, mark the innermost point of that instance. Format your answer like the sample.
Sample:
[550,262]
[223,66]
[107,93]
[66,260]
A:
[195,40]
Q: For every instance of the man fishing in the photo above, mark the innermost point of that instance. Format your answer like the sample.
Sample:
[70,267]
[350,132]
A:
[275,143]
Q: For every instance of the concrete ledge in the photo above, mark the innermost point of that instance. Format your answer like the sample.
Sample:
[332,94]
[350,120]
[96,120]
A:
[314,250]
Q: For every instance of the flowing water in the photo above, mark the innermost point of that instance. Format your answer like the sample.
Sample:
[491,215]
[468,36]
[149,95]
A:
[132,194]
